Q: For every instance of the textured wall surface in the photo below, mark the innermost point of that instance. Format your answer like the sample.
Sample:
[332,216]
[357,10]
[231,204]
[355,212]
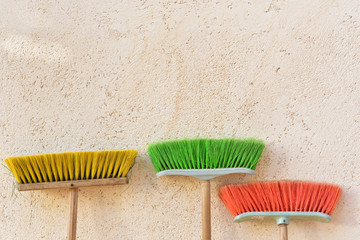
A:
[100,75]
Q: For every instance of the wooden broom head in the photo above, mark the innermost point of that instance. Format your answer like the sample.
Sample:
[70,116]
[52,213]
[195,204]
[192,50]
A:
[279,196]
[71,166]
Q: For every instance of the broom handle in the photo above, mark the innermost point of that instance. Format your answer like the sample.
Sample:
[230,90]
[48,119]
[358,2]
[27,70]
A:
[73,213]
[283,232]
[205,209]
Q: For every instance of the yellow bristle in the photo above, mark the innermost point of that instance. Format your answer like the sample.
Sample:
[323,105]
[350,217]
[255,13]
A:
[83,164]
[69,161]
[94,165]
[41,161]
[130,161]
[81,158]
[10,162]
[86,161]
[77,169]
[22,170]
[71,166]
[87,169]
[106,165]
[59,167]
[127,161]
[64,165]
[25,164]
[115,171]
[112,158]
[101,159]
[52,160]
[31,170]
[35,167]
[47,165]
[38,168]
[122,165]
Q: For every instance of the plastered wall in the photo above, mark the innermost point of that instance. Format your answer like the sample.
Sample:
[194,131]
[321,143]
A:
[101,75]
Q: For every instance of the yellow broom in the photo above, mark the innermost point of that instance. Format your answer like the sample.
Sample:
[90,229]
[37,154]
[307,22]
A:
[71,170]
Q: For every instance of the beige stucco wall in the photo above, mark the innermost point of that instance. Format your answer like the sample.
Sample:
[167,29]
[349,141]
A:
[96,75]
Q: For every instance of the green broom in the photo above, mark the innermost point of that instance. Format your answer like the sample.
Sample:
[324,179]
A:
[71,170]
[205,159]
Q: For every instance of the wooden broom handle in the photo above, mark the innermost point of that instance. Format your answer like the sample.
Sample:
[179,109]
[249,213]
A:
[283,232]
[73,213]
[205,209]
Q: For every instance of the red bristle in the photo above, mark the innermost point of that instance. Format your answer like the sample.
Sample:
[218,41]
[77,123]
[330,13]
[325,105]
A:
[299,190]
[262,196]
[284,195]
[321,197]
[280,196]
[289,193]
[294,196]
[288,189]
[313,197]
[307,198]
[271,197]
[253,195]
[237,205]
[266,196]
[249,207]
[331,201]
[239,196]
[303,196]
[335,199]
[275,204]
[227,198]
[259,193]
[328,203]
[229,195]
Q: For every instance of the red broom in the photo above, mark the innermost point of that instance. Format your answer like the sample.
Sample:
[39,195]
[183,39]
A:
[281,201]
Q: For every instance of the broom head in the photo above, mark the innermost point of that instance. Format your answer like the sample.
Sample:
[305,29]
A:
[280,196]
[206,154]
[71,166]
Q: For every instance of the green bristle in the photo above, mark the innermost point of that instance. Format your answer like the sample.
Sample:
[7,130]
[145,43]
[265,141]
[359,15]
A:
[206,153]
